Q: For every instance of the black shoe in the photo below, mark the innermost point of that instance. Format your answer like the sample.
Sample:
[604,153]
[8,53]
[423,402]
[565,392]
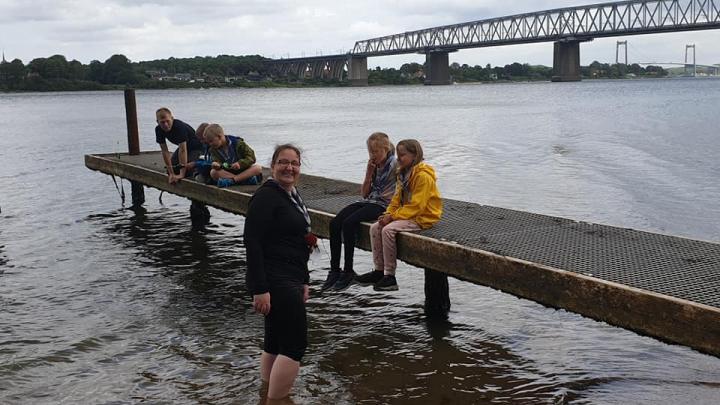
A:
[346,280]
[388,283]
[369,278]
[332,278]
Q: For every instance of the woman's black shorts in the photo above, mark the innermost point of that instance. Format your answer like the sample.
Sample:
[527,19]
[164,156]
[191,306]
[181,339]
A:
[286,324]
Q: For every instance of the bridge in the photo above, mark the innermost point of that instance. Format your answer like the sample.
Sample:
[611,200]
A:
[566,27]
[689,67]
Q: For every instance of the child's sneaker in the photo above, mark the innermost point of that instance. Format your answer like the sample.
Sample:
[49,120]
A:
[332,278]
[251,181]
[369,278]
[225,183]
[346,280]
[387,283]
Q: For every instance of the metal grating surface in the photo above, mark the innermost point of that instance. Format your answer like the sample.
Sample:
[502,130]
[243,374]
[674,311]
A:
[669,265]
[673,266]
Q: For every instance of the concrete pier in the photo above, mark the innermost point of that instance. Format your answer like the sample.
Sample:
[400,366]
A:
[357,71]
[438,68]
[657,285]
[566,61]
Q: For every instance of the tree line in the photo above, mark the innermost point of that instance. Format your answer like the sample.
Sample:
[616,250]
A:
[413,73]
[57,73]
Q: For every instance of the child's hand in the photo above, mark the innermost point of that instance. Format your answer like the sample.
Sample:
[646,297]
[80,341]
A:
[385,219]
[370,169]
[235,166]
[216,166]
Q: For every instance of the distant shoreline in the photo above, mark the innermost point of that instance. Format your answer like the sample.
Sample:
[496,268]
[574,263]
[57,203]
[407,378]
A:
[271,85]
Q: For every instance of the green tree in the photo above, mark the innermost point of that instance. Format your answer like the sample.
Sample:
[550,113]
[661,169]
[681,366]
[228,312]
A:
[76,70]
[12,74]
[96,71]
[37,66]
[118,70]
[56,67]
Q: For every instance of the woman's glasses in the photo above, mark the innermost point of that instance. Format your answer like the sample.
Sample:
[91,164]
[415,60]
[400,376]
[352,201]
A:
[285,162]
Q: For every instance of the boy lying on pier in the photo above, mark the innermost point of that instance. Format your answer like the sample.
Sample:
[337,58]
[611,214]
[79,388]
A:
[233,160]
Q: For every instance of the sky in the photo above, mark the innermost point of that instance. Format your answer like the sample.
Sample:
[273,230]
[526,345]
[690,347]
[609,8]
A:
[89,30]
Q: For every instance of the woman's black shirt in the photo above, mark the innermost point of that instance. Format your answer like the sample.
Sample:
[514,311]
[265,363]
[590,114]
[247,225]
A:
[277,252]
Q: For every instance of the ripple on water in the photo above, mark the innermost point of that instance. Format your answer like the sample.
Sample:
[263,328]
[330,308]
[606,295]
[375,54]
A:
[104,304]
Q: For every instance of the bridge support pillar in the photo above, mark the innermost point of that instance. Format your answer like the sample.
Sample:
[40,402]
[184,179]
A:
[437,68]
[357,71]
[566,61]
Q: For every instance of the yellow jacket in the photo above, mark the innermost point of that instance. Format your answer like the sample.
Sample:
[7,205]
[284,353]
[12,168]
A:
[423,205]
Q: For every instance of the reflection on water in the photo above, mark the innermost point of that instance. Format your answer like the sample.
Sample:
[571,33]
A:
[107,305]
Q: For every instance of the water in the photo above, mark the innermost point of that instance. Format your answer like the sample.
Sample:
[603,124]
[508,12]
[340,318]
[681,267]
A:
[100,304]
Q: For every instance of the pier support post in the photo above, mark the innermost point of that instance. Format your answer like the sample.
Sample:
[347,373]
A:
[138,193]
[566,61]
[357,71]
[437,294]
[199,214]
[437,68]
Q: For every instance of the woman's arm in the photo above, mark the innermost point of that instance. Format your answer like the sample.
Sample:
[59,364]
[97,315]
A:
[257,226]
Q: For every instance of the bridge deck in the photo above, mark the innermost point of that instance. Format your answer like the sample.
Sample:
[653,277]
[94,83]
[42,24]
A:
[664,286]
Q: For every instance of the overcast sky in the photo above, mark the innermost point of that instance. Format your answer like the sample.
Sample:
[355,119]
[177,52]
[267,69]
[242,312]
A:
[89,30]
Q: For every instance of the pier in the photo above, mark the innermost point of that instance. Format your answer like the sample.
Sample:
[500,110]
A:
[657,285]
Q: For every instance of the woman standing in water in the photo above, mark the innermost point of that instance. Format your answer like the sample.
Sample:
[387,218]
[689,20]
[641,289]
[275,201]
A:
[278,243]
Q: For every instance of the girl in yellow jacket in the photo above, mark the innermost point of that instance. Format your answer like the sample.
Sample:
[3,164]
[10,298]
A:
[415,205]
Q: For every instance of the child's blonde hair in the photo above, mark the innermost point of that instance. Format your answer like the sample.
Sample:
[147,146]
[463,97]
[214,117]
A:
[213,131]
[382,140]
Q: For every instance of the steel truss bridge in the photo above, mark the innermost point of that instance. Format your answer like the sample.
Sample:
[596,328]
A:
[324,67]
[578,23]
[567,27]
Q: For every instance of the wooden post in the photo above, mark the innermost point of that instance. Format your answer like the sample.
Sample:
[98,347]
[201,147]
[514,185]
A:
[437,294]
[199,214]
[138,194]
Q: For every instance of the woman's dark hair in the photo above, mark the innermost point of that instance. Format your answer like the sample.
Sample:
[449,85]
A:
[283,147]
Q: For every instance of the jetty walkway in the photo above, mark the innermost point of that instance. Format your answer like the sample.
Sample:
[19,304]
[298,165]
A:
[662,286]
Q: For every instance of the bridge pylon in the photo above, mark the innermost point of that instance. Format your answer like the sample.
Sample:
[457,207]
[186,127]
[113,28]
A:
[617,52]
[566,60]
[357,70]
[437,65]
[694,66]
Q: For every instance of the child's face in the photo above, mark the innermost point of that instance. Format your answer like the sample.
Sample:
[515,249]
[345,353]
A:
[405,159]
[216,142]
[165,121]
[377,154]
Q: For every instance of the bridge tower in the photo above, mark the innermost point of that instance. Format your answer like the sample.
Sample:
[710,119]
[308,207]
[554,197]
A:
[694,66]
[617,52]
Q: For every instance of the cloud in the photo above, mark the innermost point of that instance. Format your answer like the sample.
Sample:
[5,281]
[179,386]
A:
[144,30]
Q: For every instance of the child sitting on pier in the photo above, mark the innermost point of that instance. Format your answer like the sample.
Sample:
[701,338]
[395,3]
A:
[201,166]
[377,190]
[233,160]
[415,205]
